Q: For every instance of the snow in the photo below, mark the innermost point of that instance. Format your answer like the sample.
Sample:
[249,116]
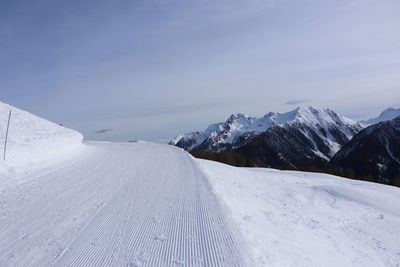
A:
[386,115]
[34,142]
[319,154]
[68,203]
[123,204]
[238,124]
[305,219]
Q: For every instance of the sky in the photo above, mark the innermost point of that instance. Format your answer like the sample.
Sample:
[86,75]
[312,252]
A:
[123,70]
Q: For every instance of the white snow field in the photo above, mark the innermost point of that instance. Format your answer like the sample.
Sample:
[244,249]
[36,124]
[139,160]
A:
[307,219]
[64,203]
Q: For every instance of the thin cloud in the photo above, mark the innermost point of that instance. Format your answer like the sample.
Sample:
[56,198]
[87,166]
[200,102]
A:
[296,102]
[102,131]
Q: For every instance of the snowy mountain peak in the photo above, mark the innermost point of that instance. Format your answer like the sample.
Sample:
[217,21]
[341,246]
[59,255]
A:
[238,129]
[303,109]
[311,116]
[304,114]
[270,115]
[309,112]
[386,115]
[390,114]
[239,118]
[388,111]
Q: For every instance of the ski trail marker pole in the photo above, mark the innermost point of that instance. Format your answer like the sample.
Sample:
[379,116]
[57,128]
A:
[5,141]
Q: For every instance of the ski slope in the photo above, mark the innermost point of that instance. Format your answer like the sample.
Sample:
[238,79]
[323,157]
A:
[120,204]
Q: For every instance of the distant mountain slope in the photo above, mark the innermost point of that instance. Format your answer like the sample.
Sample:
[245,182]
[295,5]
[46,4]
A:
[303,137]
[373,154]
[32,139]
[387,114]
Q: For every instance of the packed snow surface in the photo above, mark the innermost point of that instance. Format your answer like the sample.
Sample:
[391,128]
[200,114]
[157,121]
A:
[304,219]
[121,204]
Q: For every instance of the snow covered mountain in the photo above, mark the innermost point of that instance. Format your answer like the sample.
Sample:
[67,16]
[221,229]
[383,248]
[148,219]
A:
[33,140]
[387,114]
[305,136]
[373,154]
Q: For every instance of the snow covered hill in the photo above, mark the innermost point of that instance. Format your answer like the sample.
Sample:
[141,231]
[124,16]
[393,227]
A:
[386,115]
[305,136]
[292,218]
[33,141]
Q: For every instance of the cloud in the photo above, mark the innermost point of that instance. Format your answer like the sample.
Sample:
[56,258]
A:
[101,131]
[298,101]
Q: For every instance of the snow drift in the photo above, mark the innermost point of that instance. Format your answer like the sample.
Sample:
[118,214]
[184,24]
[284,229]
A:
[33,141]
[293,218]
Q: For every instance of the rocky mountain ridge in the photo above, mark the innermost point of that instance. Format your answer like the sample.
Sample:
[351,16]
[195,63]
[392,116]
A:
[315,134]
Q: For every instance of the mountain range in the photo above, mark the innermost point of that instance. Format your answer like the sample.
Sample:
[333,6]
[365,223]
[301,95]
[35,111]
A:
[306,138]
[386,115]
[303,137]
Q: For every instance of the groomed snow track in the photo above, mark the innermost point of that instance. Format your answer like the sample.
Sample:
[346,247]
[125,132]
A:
[138,204]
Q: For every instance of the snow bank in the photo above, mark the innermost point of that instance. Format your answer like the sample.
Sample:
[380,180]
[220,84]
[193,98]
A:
[305,219]
[33,141]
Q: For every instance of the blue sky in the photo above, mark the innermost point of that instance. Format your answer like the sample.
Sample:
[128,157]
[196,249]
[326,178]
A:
[123,70]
